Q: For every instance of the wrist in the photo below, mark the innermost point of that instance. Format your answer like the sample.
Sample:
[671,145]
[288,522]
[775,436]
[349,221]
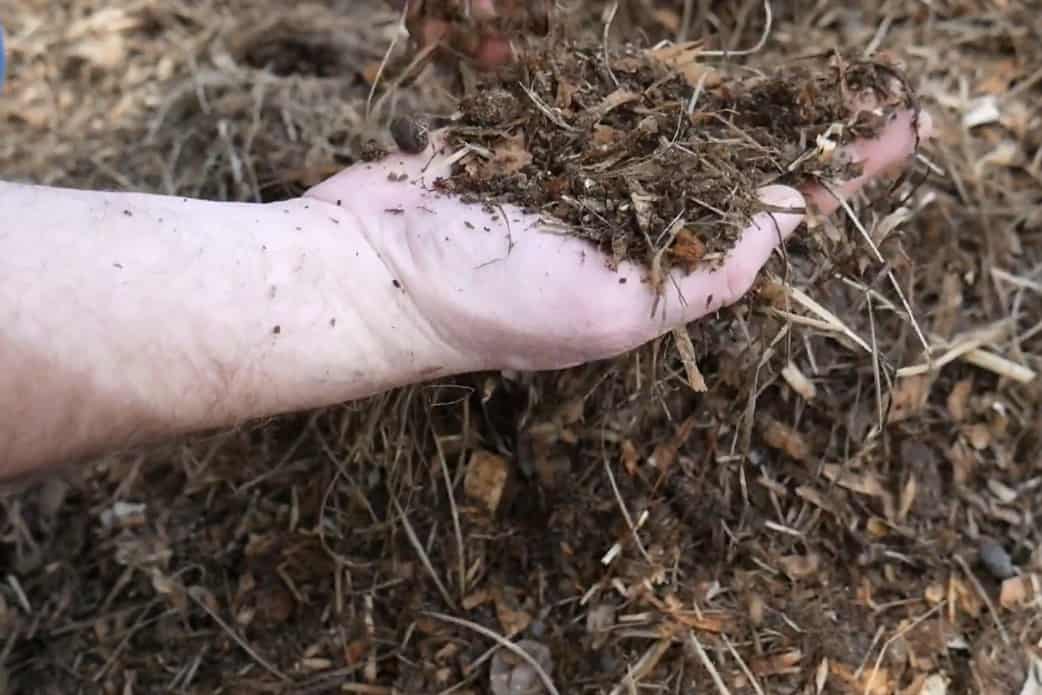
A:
[347,325]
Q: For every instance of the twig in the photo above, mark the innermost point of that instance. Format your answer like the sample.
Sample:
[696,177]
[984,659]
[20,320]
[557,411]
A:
[418,547]
[827,316]
[742,665]
[878,37]
[984,597]
[134,629]
[673,228]
[643,666]
[969,347]
[383,63]
[879,257]
[546,110]
[608,20]
[896,636]
[875,361]
[759,44]
[1000,365]
[625,512]
[1016,280]
[19,593]
[235,636]
[503,642]
[697,648]
[1023,86]
[685,22]
[695,97]
[461,549]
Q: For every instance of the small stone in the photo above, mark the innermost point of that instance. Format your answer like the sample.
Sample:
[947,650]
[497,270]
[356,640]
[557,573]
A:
[996,560]
[509,674]
[411,134]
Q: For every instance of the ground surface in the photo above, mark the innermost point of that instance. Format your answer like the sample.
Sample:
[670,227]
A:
[815,522]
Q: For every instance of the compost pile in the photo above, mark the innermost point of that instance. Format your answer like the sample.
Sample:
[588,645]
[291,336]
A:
[641,149]
[815,522]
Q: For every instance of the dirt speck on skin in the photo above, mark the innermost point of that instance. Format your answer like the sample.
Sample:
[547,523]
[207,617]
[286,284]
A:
[641,150]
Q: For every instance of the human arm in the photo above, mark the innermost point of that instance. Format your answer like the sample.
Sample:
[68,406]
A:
[129,317]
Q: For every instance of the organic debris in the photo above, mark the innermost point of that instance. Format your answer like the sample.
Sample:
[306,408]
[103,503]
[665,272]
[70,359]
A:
[641,150]
[774,533]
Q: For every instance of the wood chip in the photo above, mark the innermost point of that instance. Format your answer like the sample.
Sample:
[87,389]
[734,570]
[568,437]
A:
[777,664]
[778,435]
[958,400]
[862,483]
[486,479]
[800,566]
[869,681]
[909,397]
[799,382]
[1020,591]
[512,618]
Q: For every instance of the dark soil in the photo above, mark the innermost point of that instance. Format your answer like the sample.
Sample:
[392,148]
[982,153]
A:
[644,149]
[846,533]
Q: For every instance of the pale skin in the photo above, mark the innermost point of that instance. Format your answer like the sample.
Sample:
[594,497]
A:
[128,318]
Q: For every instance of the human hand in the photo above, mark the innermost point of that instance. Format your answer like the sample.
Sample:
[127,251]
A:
[504,290]
[482,30]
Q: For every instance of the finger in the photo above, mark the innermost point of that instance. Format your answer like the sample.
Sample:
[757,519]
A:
[478,38]
[494,52]
[712,290]
[707,290]
[483,9]
[880,156]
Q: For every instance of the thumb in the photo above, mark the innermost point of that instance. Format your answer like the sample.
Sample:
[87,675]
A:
[767,230]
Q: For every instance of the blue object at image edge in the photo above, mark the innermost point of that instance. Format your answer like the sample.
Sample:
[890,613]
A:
[3,55]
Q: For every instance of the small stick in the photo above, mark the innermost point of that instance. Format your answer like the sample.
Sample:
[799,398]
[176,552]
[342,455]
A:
[546,110]
[608,21]
[893,638]
[1000,365]
[742,665]
[696,647]
[759,44]
[625,512]
[875,362]
[879,257]
[383,63]
[424,559]
[235,636]
[643,666]
[503,642]
[984,597]
[456,527]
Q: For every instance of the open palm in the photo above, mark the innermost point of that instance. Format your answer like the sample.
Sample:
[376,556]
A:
[511,291]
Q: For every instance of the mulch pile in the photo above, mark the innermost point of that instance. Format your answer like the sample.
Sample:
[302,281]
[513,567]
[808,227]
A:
[843,510]
[645,151]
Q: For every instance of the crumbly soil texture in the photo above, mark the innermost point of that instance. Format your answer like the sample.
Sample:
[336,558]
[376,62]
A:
[813,523]
[645,151]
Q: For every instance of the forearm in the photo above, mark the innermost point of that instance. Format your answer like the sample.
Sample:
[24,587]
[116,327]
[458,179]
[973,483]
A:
[127,317]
